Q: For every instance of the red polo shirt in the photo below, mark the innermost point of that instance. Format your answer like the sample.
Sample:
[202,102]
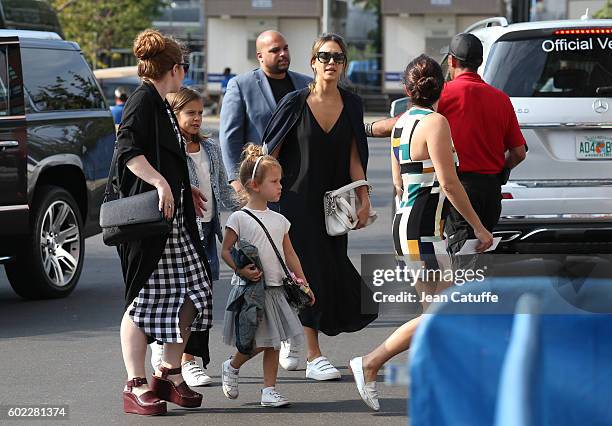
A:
[482,122]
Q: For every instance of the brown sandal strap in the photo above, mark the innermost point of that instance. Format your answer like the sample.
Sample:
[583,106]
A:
[136,382]
[169,371]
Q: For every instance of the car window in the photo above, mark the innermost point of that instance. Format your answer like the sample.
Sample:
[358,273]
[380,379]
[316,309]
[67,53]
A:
[4,84]
[109,89]
[65,82]
[571,66]
[11,93]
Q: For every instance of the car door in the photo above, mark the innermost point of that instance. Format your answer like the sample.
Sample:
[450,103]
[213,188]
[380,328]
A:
[13,148]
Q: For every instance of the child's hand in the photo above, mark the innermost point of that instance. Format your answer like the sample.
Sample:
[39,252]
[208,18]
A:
[250,273]
[304,287]
[310,294]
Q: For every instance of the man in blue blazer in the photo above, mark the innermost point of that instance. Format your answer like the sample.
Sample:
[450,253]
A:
[251,98]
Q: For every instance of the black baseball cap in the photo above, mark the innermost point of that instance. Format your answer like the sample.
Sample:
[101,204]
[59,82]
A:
[467,48]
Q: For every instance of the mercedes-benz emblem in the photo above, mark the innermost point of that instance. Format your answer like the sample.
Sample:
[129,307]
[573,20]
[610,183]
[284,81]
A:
[600,106]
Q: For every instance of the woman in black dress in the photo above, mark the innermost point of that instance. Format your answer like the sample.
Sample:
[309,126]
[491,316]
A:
[318,136]
[168,289]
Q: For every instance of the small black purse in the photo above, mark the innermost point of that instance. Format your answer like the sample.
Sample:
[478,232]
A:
[131,218]
[296,298]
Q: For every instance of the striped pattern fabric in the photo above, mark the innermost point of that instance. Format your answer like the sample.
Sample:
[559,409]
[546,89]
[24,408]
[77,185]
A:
[419,221]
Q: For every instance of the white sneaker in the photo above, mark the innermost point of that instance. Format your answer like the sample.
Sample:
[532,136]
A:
[290,355]
[367,391]
[321,369]
[194,375]
[229,380]
[271,398]
[157,354]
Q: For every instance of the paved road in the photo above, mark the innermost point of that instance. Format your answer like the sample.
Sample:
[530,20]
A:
[67,351]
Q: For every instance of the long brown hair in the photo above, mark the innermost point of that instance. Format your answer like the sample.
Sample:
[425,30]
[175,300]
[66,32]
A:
[178,101]
[315,49]
[156,53]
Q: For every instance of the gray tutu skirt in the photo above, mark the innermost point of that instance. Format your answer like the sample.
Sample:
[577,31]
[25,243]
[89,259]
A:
[279,322]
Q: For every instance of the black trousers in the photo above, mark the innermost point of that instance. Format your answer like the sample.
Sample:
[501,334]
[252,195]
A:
[197,345]
[484,192]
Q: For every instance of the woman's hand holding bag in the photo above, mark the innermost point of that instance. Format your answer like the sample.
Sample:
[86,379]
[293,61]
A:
[343,210]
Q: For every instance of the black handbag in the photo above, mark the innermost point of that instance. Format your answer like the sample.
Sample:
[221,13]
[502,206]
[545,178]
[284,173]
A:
[295,296]
[125,219]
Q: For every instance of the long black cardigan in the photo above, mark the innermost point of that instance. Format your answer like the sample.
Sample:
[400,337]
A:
[136,136]
[289,111]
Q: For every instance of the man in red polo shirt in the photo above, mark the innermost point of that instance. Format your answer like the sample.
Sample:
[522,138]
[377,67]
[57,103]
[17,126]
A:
[485,133]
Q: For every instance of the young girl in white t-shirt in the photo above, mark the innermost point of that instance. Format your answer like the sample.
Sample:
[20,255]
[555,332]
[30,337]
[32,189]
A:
[260,176]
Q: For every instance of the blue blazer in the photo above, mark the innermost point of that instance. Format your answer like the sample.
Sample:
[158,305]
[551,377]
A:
[247,106]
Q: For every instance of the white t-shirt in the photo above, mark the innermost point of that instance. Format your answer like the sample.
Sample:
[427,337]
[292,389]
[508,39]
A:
[203,171]
[249,230]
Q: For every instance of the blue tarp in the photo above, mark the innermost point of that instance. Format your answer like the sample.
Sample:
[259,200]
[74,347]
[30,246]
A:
[557,372]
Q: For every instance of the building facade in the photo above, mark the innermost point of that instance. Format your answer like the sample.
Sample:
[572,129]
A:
[412,27]
[232,27]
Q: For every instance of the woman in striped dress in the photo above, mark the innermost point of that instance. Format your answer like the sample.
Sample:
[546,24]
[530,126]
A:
[423,164]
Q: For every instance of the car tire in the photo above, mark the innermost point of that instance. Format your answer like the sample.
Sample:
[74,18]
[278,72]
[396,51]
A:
[50,260]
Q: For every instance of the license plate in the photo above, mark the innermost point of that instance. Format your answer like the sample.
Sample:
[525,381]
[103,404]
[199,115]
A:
[594,147]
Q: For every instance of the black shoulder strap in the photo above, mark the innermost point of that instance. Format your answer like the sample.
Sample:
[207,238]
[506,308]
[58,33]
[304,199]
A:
[278,255]
[114,173]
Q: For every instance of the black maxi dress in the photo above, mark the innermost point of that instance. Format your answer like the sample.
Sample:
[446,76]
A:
[315,162]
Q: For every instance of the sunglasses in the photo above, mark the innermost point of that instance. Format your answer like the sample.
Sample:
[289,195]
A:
[185,66]
[326,57]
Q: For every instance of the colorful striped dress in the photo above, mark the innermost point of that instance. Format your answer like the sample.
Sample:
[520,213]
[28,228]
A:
[418,224]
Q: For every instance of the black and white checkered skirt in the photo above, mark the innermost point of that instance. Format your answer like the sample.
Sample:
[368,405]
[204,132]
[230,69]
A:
[180,273]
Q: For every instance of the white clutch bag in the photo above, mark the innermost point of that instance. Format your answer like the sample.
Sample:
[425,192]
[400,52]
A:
[341,208]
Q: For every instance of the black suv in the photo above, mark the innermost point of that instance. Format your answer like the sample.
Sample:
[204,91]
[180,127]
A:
[56,143]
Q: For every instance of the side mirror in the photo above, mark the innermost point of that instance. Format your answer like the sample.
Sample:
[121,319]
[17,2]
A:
[399,106]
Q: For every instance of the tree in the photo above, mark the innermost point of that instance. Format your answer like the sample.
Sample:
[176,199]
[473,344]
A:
[100,25]
[605,12]
[374,6]
[375,35]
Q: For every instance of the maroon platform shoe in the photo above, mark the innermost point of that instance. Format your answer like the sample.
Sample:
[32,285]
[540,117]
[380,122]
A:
[147,404]
[181,394]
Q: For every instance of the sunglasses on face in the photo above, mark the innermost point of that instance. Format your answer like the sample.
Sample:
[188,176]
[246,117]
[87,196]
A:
[326,57]
[185,66]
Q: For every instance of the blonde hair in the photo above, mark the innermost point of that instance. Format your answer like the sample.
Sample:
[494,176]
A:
[178,101]
[253,155]
[156,53]
[315,49]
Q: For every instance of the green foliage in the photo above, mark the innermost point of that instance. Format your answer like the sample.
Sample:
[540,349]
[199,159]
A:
[605,12]
[375,6]
[368,4]
[357,54]
[99,25]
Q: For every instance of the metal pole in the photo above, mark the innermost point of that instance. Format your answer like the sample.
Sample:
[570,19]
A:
[204,43]
[325,17]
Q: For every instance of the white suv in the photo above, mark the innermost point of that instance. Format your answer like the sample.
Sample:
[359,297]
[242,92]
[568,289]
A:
[558,75]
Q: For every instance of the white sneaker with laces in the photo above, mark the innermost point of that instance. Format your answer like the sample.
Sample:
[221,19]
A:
[290,355]
[271,398]
[229,380]
[367,391]
[157,354]
[194,375]
[321,369]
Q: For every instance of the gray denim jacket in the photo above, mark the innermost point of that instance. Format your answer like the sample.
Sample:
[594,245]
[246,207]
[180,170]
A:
[222,190]
[249,298]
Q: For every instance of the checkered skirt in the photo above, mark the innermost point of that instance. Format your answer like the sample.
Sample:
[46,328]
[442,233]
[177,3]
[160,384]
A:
[180,273]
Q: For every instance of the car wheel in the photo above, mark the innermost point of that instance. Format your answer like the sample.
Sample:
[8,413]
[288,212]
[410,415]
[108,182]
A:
[49,262]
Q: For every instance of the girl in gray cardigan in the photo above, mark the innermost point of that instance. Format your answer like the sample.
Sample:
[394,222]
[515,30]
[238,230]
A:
[206,172]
